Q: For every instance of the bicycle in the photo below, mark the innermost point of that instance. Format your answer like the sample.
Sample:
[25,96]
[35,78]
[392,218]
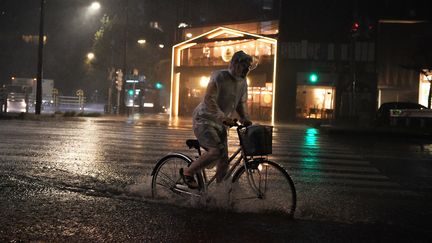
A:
[256,181]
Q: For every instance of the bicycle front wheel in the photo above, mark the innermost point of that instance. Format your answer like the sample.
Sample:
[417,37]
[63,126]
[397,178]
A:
[166,177]
[264,187]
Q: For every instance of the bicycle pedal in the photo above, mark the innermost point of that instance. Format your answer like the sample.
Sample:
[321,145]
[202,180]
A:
[182,187]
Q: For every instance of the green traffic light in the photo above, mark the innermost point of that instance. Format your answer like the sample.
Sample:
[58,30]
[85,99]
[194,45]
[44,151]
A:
[130,92]
[158,85]
[313,77]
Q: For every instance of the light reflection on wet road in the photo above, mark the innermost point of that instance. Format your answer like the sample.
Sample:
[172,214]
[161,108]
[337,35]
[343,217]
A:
[88,180]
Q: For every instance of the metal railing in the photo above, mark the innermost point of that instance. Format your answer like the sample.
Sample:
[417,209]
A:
[69,103]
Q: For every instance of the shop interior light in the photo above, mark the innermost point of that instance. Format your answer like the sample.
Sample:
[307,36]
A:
[186,46]
[267,41]
[204,81]
[183,25]
[225,31]
[148,105]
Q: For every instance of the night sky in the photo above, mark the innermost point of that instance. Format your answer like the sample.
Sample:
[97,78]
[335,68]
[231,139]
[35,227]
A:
[69,36]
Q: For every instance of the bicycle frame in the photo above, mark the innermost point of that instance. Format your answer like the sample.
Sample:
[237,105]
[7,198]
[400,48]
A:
[232,168]
[208,182]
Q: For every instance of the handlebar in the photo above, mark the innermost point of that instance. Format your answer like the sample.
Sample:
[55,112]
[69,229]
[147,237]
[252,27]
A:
[235,123]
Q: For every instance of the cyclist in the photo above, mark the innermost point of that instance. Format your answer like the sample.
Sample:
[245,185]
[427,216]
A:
[226,92]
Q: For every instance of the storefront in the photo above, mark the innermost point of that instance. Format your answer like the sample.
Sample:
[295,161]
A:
[424,87]
[195,59]
[315,96]
[407,93]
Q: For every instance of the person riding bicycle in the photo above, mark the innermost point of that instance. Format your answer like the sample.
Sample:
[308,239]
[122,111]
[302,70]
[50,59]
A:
[226,92]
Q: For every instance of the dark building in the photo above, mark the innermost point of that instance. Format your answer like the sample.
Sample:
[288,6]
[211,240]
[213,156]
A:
[362,52]
[326,62]
[404,60]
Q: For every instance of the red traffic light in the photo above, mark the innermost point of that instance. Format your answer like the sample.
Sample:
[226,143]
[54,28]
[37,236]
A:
[355,26]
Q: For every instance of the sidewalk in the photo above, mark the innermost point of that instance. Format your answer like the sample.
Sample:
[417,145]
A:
[377,131]
[159,117]
[43,116]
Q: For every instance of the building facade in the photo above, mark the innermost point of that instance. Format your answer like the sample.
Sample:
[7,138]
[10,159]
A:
[210,48]
[326,63]
[295,79]
[404,61]
[333,61]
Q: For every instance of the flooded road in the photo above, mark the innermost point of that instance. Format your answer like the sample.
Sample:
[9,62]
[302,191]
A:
[88,179]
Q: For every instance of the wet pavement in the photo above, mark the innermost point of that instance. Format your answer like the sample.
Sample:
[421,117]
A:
[88,179]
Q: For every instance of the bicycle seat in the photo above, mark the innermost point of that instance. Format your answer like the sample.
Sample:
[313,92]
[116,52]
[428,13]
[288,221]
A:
[193,143]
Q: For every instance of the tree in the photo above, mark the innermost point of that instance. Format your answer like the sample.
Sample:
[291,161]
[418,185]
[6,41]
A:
[116,44]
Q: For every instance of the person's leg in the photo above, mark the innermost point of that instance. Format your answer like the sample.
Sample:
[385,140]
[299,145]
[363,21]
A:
[209,138]
[221,169]
[223,163]
[203,161]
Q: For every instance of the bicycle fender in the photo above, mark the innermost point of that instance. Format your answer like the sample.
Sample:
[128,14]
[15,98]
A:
[184,156]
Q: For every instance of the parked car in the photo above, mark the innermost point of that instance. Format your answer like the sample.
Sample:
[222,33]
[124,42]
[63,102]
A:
[382,117]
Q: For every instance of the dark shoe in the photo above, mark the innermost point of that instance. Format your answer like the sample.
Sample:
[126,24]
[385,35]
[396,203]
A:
[189,180]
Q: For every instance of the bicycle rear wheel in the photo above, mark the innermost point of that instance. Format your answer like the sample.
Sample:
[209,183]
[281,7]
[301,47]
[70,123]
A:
[166,178]
[264,187]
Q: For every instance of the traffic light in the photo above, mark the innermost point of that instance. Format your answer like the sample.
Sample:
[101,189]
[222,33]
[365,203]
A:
[131,92]
[355,29]
[313,77]
[355,26]
[119,79]
[159,85]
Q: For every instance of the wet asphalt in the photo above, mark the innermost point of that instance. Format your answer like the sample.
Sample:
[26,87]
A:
[88,180]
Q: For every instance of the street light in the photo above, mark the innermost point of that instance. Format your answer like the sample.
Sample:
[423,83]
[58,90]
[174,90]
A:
[90,56]
[95,6]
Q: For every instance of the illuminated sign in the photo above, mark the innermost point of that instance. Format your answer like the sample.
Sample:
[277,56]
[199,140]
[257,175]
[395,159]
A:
[227,53]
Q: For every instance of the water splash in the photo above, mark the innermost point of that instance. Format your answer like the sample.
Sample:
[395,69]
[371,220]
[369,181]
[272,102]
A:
[217,197]
[141,188]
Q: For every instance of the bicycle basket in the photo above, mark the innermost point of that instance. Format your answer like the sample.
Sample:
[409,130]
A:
[256,140]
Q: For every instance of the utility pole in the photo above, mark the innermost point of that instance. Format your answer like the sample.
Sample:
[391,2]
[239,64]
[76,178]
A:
[355,33]
[353,111]
[40,60]
[122,106]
